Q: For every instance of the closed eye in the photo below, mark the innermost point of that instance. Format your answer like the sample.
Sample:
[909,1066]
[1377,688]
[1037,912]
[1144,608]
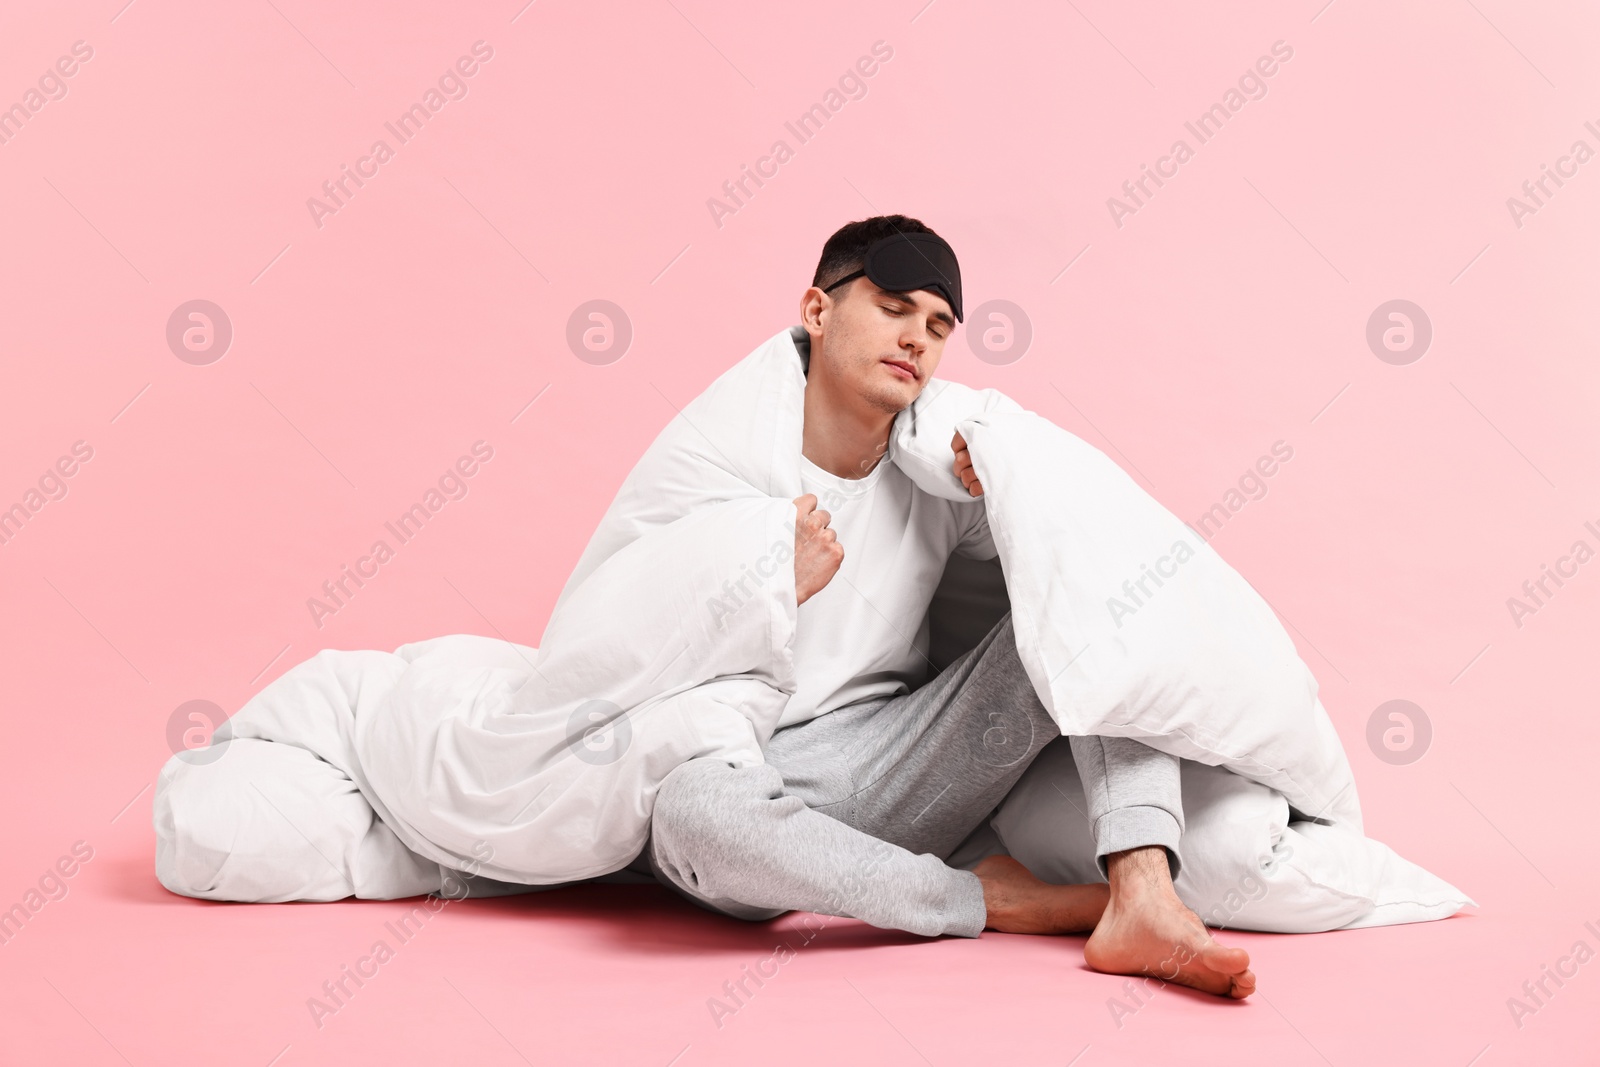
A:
[897,311]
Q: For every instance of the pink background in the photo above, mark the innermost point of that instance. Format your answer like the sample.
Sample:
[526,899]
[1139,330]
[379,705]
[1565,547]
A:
[1228,313]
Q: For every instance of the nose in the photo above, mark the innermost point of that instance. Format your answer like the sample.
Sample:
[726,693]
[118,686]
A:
[914,337]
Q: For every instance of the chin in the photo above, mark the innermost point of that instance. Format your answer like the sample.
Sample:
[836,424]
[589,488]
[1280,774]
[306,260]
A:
[894,402]
[889,394]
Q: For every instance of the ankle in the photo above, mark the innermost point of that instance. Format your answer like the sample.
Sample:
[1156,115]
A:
[1140,874]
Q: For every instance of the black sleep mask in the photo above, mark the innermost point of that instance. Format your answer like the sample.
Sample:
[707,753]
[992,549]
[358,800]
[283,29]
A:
[904,262]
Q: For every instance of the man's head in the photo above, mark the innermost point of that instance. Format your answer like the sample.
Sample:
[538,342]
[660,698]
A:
[861,330]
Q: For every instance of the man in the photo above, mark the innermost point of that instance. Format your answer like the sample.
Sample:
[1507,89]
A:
[877,773]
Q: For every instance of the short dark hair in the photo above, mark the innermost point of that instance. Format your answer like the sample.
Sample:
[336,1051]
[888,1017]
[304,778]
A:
[846,250]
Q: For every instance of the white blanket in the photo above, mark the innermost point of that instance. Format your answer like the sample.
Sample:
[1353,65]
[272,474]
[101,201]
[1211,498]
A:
[672,638]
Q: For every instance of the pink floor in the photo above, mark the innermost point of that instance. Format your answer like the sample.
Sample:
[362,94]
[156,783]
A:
[1403,152]
[121,971]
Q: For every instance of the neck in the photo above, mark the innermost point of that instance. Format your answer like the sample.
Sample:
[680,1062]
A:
[842,434]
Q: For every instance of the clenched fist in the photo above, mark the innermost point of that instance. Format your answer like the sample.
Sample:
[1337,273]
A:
[817,551]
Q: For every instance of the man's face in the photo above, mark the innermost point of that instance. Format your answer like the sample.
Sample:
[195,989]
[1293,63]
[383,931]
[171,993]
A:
[879,345]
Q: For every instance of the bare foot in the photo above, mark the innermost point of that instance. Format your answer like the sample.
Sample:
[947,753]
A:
[1018,903]
[1147,930]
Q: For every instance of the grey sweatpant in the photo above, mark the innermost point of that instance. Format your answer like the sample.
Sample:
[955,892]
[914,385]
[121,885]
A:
[856,810]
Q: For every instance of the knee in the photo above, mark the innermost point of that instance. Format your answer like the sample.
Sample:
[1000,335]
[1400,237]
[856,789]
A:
[705,814]
[706,797]
[678,797]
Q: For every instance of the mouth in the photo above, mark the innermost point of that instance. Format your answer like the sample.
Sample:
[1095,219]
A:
[902,368]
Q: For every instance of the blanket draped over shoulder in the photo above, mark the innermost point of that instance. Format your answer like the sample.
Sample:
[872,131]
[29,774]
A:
[673,638]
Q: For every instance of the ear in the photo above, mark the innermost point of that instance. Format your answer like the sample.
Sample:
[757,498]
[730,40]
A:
[815,306]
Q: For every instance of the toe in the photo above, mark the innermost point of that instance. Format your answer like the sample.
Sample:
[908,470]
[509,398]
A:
[1223,959]
[1244,984]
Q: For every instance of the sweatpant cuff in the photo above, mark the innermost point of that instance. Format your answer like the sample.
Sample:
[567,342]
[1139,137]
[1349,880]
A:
[967,911]
[1137,826]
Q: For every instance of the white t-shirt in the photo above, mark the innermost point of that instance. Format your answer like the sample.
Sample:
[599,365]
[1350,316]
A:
[864,634]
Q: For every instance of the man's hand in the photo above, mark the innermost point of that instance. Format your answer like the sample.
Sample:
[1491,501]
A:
[817,551]
[963,467]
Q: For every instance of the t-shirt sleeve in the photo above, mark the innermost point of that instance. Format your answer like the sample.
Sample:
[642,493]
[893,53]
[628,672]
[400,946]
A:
[976,540]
